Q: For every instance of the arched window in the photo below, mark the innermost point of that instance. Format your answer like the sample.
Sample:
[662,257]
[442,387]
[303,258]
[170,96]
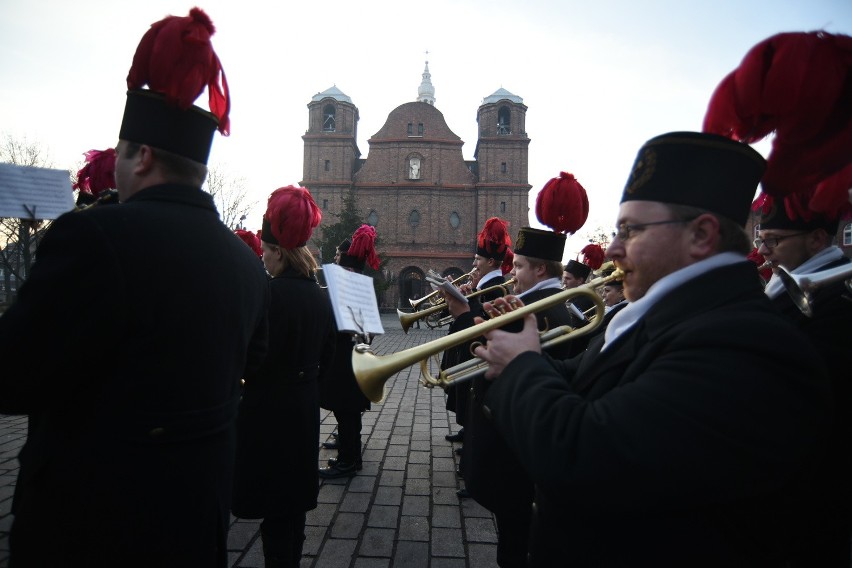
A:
[455,220]
[504,121]
[328,122]
[414,218]
[373,218]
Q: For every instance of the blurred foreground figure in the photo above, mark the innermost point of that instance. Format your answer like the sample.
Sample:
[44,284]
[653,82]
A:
[127,344]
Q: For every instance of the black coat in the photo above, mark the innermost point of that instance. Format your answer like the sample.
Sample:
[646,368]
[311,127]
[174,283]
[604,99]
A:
[278,421]
[492,472]
[686,443]
[458,396]
[339,389]
[126,347]
[828,330]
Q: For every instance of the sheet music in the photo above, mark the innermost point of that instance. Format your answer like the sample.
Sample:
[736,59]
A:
[353,299]
[28,192]
[438,283]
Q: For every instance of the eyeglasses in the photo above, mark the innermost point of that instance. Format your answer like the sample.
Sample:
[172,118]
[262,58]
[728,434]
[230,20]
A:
[772,242]
[623,232]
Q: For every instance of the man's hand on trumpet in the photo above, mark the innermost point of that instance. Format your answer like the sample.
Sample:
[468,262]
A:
[455,306]
[503,346]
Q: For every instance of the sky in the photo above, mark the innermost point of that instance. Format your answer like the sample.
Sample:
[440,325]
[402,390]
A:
[598,78]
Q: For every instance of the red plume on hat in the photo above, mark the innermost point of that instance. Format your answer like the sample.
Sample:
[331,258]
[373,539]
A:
[562,204]
[175,58]
[593,255]
[291,217]
[363,246]
[494,237]
[251,239]
[799,86]
[508,262]
[98,174]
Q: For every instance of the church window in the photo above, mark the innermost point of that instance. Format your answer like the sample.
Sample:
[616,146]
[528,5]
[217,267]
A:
[373,218]
[327,165]
[414,218]
[502,207]
[420,129]
[504,121]
[325,203]
[503,167]
[455,220]
[328,121]
[410,129]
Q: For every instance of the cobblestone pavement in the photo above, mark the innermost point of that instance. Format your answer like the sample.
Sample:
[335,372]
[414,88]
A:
[401,510]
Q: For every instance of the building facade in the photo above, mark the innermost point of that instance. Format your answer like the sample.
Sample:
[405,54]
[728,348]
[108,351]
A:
[425,200]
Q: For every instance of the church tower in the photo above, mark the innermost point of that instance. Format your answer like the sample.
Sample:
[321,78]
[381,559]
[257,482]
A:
[331,154]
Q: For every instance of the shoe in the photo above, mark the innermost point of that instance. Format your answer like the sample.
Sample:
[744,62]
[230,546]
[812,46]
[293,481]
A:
[459,451]
[359,465]
[462,494]
[339,469]
[457,437]
[330,445]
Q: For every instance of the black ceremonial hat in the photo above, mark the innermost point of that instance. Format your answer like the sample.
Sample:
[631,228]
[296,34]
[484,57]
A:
[578,269]
[536,243]
[699,170]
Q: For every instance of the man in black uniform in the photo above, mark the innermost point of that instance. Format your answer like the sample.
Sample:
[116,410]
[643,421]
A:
[339,391]
[804,246]
[493,475]
[130,452]
[492,246]
[686,434]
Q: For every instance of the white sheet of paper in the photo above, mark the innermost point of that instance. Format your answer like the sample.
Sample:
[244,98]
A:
[353,299]
[28,192]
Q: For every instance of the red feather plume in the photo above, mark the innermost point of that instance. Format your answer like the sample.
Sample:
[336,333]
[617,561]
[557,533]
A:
[363,246]
[562,204]
[175,58]
[494,236]
[293,215]
[98,174]
[799,86]
[593,255]
[508,262]
[251,239]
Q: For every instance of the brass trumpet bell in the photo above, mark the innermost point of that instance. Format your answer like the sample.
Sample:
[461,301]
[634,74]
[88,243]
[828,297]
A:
[800,287]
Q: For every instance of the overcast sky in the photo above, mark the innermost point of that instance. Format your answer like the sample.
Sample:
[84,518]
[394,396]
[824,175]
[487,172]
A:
[599,78]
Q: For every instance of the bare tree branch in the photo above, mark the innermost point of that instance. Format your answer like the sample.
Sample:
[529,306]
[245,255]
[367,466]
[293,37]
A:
[230,195]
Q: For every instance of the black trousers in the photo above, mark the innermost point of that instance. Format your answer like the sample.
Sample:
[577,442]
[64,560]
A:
[282,539]
[348,435]
[513,538]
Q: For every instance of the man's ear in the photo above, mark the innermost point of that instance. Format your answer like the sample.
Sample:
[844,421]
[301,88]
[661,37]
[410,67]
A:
[704,235]
[144,160]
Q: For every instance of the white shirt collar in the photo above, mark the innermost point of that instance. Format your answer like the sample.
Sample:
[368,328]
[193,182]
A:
[775,287]
[487,277]
[549,283]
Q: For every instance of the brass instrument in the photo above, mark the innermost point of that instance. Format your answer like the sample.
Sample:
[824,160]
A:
[800,287]
[434,298]
[408,319]
[372,371]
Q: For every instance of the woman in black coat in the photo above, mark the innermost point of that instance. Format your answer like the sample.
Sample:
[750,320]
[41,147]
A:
[278,422]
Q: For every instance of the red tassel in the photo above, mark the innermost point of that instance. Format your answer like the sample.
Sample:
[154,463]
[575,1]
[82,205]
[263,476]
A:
[251,239]
[293,215]
[98,174]
[363,246]
[562,204]
[593,255]
[175,58]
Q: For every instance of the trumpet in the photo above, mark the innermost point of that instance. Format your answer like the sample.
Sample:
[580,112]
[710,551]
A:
[434,298]
[372,371]
[800,287]
[408,319]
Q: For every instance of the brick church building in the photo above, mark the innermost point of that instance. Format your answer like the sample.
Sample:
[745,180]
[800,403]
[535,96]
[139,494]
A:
[425,200]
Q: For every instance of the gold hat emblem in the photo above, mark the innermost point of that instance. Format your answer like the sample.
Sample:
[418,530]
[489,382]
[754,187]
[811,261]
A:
[643,170]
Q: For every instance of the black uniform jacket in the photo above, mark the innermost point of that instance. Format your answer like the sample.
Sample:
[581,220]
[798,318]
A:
[278,421]
[685,443]
[457,396]
[339,389]
[126,347]
[492,472]
[828,329]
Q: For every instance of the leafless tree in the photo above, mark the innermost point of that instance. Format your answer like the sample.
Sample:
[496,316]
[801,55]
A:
[230,195]
[19,238]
